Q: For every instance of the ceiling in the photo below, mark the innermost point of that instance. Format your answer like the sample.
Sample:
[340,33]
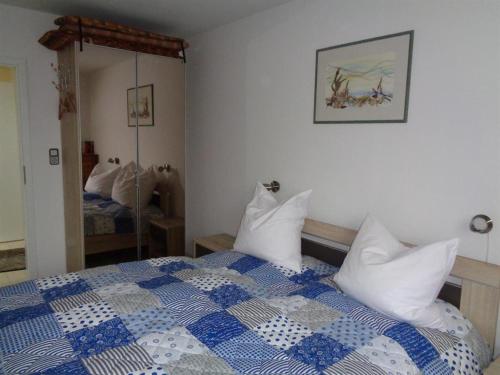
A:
[181,18]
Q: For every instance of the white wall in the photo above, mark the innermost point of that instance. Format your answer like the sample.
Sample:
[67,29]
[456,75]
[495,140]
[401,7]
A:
[11,196]
[250,118]
[19,33]
[104,119]
[250,108]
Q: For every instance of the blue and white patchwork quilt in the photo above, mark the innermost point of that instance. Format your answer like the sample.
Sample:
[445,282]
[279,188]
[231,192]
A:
[224,313]
[106,216]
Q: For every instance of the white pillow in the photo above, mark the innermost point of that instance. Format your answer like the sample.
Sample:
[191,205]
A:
[272,231]
[396,280]
[124,191]
[101,181]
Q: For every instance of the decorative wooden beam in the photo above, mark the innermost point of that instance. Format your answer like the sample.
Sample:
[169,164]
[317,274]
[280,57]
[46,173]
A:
[110,34]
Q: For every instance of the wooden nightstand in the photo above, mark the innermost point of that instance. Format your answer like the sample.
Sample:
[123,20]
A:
[207,245]
[494,368]
[166,237]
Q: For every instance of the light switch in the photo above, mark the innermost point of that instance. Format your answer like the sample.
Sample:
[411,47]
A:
[53,156]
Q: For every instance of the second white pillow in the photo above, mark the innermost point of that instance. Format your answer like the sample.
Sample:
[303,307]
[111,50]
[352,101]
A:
[272,231]
[396,280]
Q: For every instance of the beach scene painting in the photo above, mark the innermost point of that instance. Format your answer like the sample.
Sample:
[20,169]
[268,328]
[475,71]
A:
[365,81]
[361,82]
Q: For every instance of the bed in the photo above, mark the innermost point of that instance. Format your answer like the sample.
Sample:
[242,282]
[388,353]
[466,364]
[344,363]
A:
[110,226]
[223,313]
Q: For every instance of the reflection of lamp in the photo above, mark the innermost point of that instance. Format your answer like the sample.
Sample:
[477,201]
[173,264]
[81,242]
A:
[165,167]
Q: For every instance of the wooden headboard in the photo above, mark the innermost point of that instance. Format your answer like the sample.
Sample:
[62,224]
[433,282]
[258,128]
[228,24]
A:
[479,294]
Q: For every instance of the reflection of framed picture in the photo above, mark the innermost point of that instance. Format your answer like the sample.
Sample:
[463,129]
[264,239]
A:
[364,82]
[145,113]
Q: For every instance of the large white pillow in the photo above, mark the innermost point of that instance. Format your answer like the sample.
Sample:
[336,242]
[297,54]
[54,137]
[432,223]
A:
[272,231]
[396,280]
[124,190]
[101,181]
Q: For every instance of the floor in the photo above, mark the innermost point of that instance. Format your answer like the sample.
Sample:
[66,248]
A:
[13,277]
[11,245]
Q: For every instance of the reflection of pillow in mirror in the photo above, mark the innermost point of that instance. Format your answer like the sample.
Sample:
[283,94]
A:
[124,191]
[101,180]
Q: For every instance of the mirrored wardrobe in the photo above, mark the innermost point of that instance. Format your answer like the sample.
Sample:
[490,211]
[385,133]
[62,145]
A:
[131,156]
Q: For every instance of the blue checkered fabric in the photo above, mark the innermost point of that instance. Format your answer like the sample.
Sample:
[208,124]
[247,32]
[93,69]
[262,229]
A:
[224,313]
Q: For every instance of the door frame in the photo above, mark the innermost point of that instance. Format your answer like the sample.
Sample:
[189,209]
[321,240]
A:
[23,129]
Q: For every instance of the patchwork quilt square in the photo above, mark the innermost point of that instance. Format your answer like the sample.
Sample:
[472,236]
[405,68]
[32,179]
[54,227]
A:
[243,352]
[354,363]
[18,336]
[282,332]
[305,277]
[220,259]
[158,281]
[253,312]
[38,357]
[376,320]
[228,295]
[207,282]
[94,340]
[246,263]
[144,322]
[312,290]
[419,349]
[107,278]
[388,355]
[157,262]
[23,313]
[57,281]
[169,346]
[138,266]
[129,303]
[118,361]
[118,288]
[26,287]
[349,332]
[66,290]
[266,275]
[84,316]
[198,364]
[281,364]
[338,301]
[68,303]
[319,351]
[21,300]
[314,315]
[75,367]
[216,328]
[175,266]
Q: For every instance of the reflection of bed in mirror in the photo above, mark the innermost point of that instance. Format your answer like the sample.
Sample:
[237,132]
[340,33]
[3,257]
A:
[110,226]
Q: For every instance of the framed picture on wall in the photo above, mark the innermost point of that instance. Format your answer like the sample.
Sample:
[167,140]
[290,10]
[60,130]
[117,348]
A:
[364,82]
[145,111]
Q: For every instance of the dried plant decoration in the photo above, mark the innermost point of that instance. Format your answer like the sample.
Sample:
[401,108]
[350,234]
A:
[67,99]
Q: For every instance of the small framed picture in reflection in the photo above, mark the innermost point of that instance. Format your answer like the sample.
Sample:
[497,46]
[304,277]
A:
[143,112]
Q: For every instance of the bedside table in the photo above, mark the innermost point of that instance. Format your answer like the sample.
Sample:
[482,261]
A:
[166,237]
[210,244]
[494,368]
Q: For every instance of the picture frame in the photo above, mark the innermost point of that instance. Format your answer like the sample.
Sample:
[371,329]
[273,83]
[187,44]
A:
[367,81]
[146,106]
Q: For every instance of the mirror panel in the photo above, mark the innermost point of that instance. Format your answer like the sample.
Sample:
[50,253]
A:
[161,141]
[107,76]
